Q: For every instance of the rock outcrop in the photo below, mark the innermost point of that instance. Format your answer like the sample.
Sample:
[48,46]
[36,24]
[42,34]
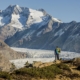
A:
[5,65]
[9,53]
[6,54]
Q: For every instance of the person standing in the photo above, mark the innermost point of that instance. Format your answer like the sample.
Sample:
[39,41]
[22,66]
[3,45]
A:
[57,51]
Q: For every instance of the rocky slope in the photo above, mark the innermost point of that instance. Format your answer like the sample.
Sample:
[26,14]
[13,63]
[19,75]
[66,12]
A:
[10,54]
[6,54]
[5,65]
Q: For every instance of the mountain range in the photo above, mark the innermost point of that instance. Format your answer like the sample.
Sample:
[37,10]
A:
[29,28]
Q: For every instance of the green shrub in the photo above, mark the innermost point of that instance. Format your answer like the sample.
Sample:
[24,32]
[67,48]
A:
[63,66]
[27,64]
[46,72]
[13,67]
[5,75]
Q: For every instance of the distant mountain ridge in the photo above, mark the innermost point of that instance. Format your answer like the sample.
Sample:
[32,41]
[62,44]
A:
[25,27]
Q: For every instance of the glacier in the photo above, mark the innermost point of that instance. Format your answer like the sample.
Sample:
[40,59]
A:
[40,55]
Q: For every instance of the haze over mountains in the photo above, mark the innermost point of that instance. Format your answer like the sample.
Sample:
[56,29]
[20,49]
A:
[28,28]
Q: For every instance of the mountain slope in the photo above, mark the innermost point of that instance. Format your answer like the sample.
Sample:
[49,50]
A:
[25,27]
[3,61]
[8,53]
[65,35]
[15,18]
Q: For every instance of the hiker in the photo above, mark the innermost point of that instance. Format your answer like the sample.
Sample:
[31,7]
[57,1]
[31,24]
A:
[57,51]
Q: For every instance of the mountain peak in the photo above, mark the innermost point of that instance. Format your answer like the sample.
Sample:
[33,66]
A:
[41,10]
[13,6]
[15,9]
[16,5]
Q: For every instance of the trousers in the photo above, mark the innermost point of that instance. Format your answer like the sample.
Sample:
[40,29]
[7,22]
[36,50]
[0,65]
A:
[56,56]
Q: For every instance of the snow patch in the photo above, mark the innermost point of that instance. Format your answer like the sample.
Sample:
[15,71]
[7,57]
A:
[45,21]
[59,33]
[28,34]
[18,21]
[18,8]
[1,23]
[34,17]
[56,20]
[74,36]
[39,33]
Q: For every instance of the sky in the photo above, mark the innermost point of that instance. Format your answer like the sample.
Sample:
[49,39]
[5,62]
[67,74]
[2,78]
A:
[65,10]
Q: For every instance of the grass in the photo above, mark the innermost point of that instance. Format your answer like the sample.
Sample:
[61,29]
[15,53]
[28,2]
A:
[5,75]
[63,66]
[48,72]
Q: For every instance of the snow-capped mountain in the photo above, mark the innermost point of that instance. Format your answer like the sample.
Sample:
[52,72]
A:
[26,27]
[20,17]
[15,18]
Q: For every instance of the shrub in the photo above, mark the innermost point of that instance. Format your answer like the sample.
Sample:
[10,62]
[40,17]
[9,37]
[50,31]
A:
[13,67]
[5,75]
[27,64]
[78,68]
[63,66]
[46,72]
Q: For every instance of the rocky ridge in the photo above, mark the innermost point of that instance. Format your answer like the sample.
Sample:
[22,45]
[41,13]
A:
[6,54]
